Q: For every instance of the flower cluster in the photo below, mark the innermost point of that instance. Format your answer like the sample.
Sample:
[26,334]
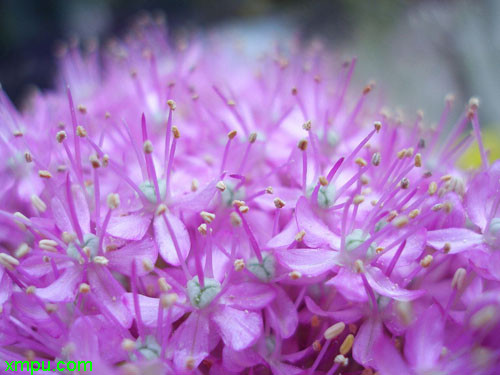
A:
[180,208]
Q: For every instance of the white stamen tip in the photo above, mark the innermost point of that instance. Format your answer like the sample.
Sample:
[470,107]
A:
[38,203]
[334,331]
[208,217]
[8,261]
[239,264]
[113,201]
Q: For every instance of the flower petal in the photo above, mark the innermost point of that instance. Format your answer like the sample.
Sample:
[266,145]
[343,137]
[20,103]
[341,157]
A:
[144,252]
[317,233]
[164,239]
[63,289]
[369,332]
[109,292]
[424,340]
[129,227]
[190,342]
[309,262]
[283,314]
[460,239]
[239,329]
[248,295]
[386,287]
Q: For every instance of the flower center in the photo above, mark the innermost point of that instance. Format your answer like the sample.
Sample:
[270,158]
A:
[149,348]
[148,188]
[326,195]
[264,270]
[201,297]
[493,234]
[230,194]
[90,246]
[355,239]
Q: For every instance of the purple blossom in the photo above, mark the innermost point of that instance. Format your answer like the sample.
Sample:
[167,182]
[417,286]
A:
[183,208]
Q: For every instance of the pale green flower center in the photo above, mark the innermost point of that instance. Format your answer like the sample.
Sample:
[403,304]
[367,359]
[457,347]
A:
[201,297]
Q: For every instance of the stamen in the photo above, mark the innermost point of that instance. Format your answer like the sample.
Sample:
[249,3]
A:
[72,210]
[239,265]
[334,331]
[394,259]
[148,149]
[78,155]
[176,135]
[458,280]
[347,344]
[8,261]
[230,137]
[38,203]
[251,140]
[176,246]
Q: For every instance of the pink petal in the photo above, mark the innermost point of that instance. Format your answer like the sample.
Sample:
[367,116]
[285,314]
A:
[239,329]
[164,240]
[386,287]
[369,332]
[190,341]
[144,252]
[309,262]
[6,289]
[285,237]
[317,233]
[64,288]
[109,291]
[129,227]
[348,315]
[460,239]
[149,309]
[350,285]
[248,295]
[237,361]
[198,201]
[424,340]
[61,216]
[388,361]
[283,314]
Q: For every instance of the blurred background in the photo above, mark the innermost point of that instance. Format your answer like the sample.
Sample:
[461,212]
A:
[416,51]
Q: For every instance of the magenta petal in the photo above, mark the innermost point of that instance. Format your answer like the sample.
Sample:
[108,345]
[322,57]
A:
[64,288]
[143,252]
[198,201]
[317,233]
[109,292]
[309,262]
[386,287]
[369,332]
[164,240]
[387,359]
[248,295]
[460,239]
[129,227]
[348,315]
[61,214]
[285,237]
[6,288]
[239,329]
[149,309]
[424,340]
[283,314]
[238,361]
[350,285]
[190,343]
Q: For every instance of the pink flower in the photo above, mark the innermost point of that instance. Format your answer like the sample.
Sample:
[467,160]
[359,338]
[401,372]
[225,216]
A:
[183,208]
